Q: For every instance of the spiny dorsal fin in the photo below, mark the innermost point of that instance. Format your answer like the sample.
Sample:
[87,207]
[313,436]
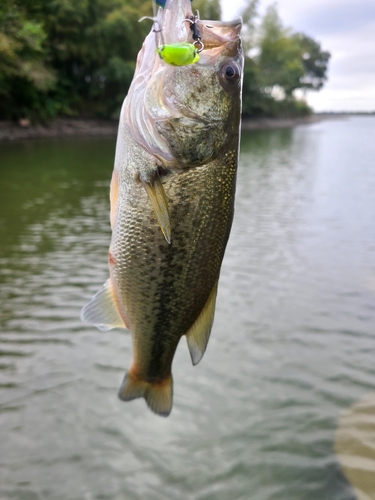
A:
[198,334]
[102,310]
[159,202]
[158,395]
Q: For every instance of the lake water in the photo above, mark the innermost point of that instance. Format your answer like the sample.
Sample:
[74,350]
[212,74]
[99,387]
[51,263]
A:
[271,412]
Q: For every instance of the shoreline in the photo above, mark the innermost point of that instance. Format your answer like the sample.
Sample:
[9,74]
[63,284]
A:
[279,123]
[79,127]
[58,128]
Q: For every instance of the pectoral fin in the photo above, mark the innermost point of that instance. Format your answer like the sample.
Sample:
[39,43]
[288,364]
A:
[159,202]
[102,310]
[198,334]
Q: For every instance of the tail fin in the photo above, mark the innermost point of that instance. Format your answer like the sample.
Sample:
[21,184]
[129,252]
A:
[158,395]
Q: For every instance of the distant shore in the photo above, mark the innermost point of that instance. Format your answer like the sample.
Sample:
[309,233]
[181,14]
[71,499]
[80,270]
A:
[78,127]
[277,123]
[60,127]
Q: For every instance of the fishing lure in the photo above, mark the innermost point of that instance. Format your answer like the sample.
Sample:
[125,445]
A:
[178,54]
[182,54]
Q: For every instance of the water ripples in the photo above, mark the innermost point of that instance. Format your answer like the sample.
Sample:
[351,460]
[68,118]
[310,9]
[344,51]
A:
[288,377]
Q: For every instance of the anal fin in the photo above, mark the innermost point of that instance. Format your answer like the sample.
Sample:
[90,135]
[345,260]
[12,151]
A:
[198,334]
[159,202]
[158,395]
[102,310]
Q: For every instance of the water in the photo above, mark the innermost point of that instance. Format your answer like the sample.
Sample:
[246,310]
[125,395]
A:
[292,348]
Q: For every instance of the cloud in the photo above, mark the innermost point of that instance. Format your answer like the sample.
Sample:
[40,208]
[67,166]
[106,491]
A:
[351,72]
[327,18]
[342,100]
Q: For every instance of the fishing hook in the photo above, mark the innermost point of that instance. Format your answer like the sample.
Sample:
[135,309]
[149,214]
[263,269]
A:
[156,22]
[195,31]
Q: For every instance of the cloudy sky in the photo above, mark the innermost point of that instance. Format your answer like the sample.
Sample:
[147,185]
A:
[346,28]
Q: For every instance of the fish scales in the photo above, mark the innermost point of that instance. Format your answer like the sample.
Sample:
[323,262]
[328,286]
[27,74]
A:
[175,279]
[172,203]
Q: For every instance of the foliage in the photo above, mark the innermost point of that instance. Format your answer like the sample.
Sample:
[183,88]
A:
[68,56]
[280,61]
[249,14]
[315,62]
[77,57]
[25,75]
[277,63]
[208,9]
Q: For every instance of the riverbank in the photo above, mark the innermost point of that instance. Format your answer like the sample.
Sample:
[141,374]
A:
[60,127]
[70,127]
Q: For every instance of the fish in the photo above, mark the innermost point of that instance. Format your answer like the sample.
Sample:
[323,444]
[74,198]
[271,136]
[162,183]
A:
[172,200]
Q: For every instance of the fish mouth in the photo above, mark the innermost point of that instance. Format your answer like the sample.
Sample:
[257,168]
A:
[215,34]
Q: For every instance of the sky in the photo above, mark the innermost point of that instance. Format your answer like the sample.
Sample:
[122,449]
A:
[346,28]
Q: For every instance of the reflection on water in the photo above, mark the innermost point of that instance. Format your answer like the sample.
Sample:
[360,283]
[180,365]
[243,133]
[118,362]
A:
[292,346]
[355,446]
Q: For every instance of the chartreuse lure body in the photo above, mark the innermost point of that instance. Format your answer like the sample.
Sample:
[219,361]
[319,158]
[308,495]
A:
[178,54]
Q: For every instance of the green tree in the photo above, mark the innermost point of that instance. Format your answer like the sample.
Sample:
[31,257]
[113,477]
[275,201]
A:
[315,62]
[208,9]
[78,56]
[72,56]
[68,56]
[94,44]
[278,60]
[25,73]
[249,16]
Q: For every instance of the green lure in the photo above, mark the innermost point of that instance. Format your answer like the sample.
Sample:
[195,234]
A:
[178,54]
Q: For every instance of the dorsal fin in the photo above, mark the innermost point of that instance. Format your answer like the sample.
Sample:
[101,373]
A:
[197,336]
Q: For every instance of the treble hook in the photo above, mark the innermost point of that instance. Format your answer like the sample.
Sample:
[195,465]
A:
[195,31]
[175,54]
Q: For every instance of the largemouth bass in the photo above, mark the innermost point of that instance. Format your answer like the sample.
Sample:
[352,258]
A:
[172,200]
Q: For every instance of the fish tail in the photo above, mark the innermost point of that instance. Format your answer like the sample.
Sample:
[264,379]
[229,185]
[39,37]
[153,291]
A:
[158,395]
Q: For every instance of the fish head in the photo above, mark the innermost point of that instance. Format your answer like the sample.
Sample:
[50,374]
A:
[187,115]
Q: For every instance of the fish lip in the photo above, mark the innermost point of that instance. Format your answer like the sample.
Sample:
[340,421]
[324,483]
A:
[217,34]
[234,23]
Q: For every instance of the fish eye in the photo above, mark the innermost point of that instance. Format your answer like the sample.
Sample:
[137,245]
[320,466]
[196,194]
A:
[230,72]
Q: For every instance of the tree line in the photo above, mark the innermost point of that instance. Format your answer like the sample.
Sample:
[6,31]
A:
[77,58]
